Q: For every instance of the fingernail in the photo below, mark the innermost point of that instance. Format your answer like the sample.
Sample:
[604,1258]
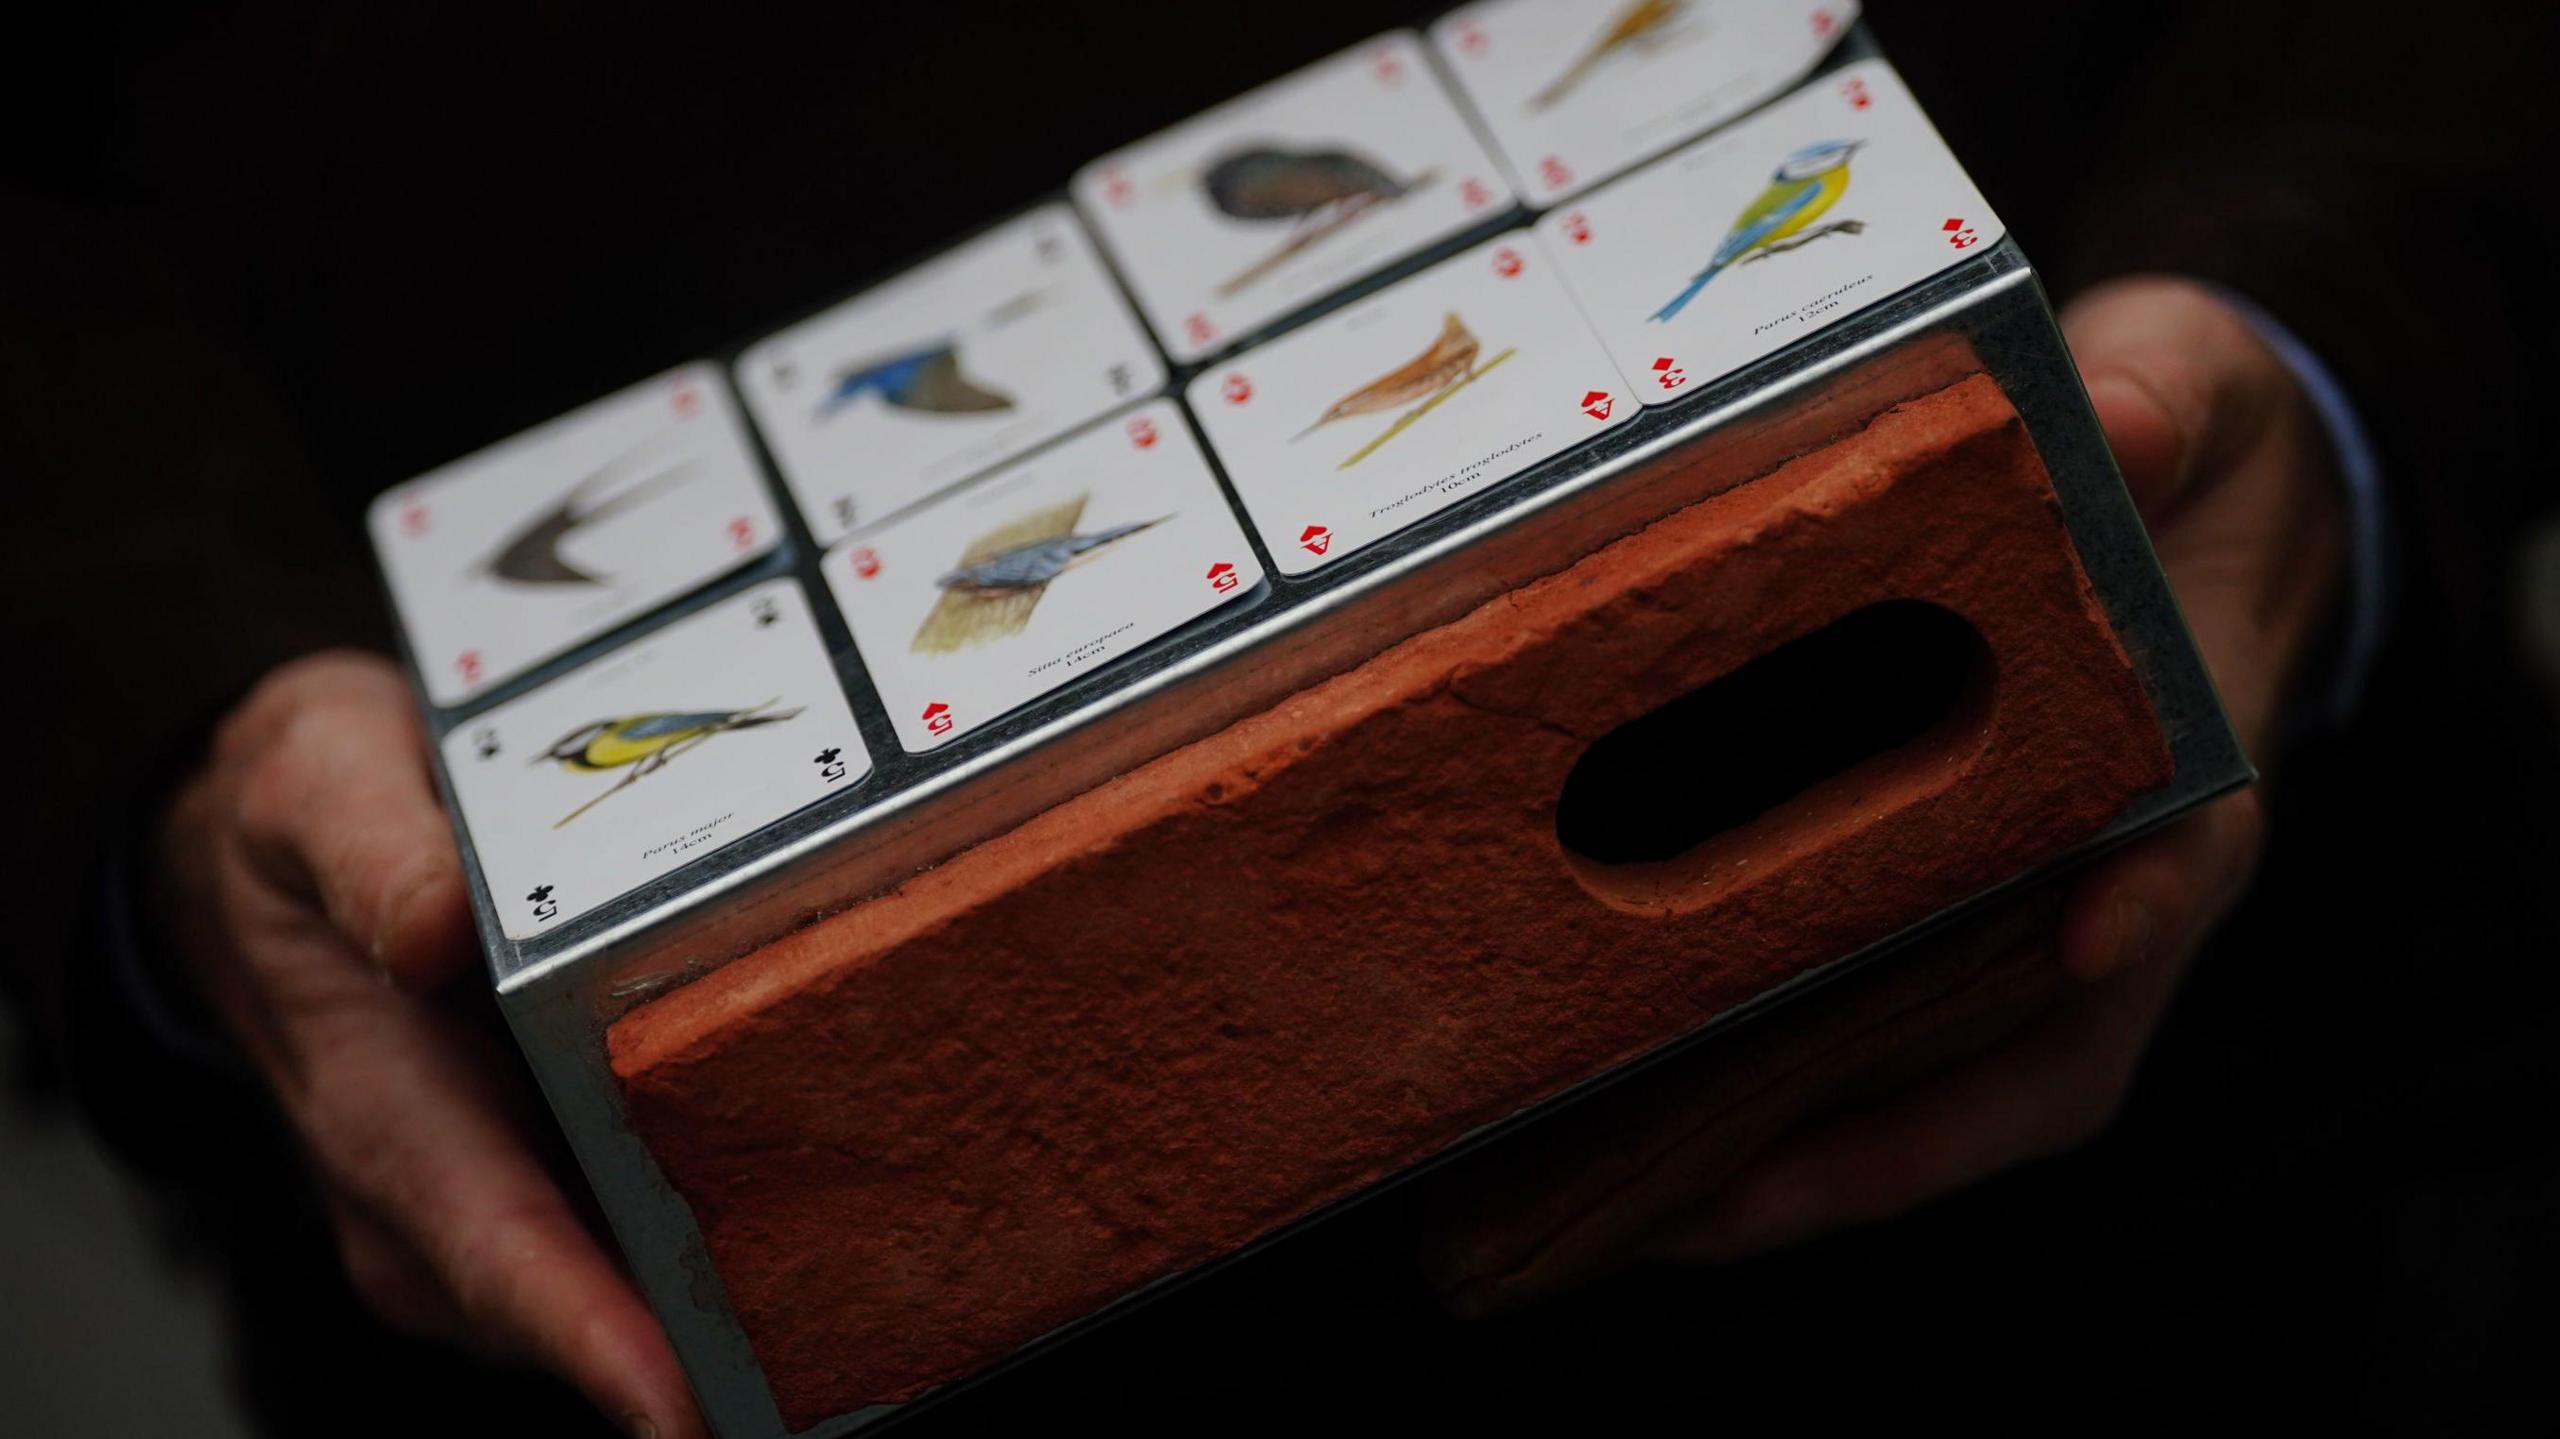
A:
[641,1426]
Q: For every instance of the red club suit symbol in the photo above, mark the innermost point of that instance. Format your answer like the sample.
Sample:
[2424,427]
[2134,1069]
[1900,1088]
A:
[866,562]
[1598,403]
[1668,374]
[937,718]
[1315,539]
[1222,577]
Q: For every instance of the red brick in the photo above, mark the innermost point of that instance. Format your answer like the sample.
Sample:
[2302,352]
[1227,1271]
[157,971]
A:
[1274,966]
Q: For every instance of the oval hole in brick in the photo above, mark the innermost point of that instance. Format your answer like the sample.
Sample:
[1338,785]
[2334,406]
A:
[1880,688]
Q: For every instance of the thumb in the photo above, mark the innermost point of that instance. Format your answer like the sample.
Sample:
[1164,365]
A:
[2179,381]
[341,807]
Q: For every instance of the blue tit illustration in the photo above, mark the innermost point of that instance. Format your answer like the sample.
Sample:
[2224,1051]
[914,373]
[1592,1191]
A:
[1806,185]
[643,744]
[924,381]
[1004,572]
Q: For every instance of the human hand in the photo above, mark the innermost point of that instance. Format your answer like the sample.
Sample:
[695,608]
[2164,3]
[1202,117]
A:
[309,880]
[2232,472]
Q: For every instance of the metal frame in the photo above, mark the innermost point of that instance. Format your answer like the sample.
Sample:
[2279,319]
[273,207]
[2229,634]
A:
[562,991]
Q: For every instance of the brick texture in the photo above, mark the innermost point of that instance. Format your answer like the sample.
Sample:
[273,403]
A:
[1274,966]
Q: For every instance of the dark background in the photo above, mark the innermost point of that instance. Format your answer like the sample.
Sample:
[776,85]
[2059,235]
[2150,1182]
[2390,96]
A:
[255,267]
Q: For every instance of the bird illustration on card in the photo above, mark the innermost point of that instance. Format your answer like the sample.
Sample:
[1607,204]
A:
[1643,27]
[640,745]
[1417,387]
[1800,191]
[530,555]
[1004,573]
[1319,193]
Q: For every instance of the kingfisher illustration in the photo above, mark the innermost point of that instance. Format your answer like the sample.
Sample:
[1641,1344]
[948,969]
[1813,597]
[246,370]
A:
[1805,185]
[1004,572]
[643,744]
[1643,25]
[926,381]
[531,556]
[1320,191]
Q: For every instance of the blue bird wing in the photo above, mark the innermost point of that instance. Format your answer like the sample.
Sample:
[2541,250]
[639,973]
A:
[1776,206]
[1766,217]
[653,726]
[891,378]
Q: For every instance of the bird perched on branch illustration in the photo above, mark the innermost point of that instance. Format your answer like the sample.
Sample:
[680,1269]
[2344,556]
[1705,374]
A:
[531,555]
[643,744]
[1320,191]
[1643,25]
[1441,370]
[1804,187]
[1004,572]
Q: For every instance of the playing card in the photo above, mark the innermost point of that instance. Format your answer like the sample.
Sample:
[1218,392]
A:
[1576,91]
[1040,573]
[687,740]
[1393,409]
[508,557]
[947,371]
[1245,213]
[1825,203]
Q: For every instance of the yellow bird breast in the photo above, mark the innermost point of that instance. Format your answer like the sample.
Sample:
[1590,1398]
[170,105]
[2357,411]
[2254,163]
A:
[1826,194]
[611,749]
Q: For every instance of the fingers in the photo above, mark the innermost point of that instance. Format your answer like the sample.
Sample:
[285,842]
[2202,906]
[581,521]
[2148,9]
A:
[449,1223]
[2129,930]
[335,799]
[1568,1204]
[2233,473]
[2177,379]
[2160,897]
[2055,1085]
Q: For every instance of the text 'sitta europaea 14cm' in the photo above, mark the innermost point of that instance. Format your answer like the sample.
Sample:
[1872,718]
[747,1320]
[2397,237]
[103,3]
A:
[1319,191]
[643,744]
[1005,571]
[1804,188]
